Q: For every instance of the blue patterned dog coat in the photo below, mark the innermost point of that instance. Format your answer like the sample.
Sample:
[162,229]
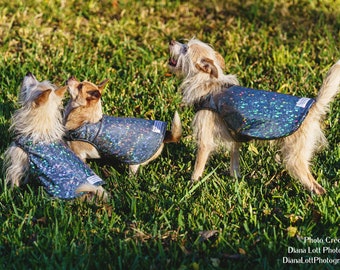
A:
[58,169]
[130,140]
[257,114]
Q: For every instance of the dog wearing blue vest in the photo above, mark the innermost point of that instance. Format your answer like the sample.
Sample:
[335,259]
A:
[228,114]
[93,135]
[38,152]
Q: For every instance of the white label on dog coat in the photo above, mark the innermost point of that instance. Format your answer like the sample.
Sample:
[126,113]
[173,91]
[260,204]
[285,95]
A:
[93,179]
[157,127]
[302,102]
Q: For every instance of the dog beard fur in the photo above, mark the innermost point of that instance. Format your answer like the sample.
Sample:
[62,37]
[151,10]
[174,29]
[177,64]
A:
[202,70]
[39,119]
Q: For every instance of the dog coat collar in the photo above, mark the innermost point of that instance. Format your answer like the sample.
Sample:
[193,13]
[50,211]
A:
[257,114]
[130,140]
[57,168]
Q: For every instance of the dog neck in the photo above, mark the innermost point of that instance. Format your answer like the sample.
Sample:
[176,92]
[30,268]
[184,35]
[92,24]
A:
[75,117]
[195,88]
[40,124]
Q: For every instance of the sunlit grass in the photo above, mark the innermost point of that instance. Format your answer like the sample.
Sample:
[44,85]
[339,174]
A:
[155,220]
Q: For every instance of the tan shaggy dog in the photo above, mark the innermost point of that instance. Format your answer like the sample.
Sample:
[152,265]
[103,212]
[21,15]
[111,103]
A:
[85,108]
[37,127]
[201,68]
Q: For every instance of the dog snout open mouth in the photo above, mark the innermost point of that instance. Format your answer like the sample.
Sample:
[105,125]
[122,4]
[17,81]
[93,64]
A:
[173,62]
[173,59]
[175,51]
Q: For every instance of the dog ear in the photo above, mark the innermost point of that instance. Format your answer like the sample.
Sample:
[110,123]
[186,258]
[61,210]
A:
[72,84]
[220,60]
[61,91]
[93,95]
[72,80]
[28,82]
[43,97]
[207,65]
[102,84]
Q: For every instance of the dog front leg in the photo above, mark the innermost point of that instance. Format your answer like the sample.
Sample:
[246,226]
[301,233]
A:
[201,159]
[235,160]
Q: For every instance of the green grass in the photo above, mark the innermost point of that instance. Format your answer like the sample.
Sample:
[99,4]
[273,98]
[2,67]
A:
[154,220]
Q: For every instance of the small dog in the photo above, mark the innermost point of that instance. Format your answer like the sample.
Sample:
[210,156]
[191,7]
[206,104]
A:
[38,149]
[93,135]
[217,121]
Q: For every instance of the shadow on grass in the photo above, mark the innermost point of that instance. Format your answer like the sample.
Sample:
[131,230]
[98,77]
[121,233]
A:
[291,16]
[6,109]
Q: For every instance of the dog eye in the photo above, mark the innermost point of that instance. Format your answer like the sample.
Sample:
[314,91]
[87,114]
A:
[184,48]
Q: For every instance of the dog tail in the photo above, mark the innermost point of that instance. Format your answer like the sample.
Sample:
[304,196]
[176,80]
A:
[93,190]
[329,89]
[175,134]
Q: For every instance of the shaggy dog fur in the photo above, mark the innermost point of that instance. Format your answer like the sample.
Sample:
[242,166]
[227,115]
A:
[40,120]
[202,70]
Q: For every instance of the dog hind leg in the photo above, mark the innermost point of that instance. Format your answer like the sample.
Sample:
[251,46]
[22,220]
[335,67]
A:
[91,191]
[298,150]
[299,168]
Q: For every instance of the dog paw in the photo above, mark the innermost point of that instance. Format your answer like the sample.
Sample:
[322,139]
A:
[194,181]
[235,174]
[318,189]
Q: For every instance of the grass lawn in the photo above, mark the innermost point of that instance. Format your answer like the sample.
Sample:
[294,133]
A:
[156,220]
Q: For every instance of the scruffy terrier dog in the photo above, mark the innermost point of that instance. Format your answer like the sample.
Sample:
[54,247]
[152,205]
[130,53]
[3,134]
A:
[228,114]
[92,135]
[38,150]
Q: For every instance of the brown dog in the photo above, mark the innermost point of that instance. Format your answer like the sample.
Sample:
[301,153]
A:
[215,122]
[131,140]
